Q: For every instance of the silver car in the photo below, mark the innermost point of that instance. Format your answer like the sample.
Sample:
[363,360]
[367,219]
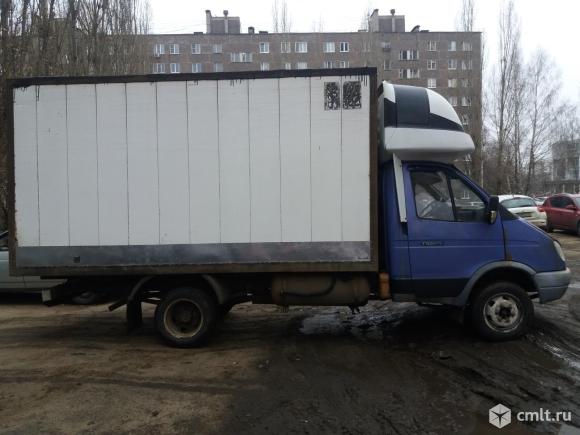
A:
[524,207]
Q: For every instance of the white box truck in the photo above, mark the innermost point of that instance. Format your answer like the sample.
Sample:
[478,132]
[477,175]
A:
[199,191]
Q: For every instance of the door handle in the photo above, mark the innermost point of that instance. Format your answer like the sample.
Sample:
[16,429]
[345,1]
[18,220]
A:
[432,243]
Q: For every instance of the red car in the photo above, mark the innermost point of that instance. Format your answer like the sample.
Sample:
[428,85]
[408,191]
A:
[562,212]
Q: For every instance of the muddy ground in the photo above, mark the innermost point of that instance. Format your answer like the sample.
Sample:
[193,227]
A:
[393,368]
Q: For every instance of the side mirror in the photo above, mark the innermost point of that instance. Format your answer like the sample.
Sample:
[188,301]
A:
[492,209]
[571,207]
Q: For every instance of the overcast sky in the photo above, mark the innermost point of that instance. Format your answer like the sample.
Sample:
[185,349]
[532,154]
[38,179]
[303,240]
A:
[552,24]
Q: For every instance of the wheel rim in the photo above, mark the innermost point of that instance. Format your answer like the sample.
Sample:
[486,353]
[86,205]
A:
[183,318]
[502,312]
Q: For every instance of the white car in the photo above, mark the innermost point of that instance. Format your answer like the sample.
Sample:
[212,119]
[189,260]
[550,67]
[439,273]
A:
[9,283]
[524,207]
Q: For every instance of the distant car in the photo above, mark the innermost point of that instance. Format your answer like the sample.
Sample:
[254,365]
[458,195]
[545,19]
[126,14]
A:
[9,283]
[563,212]
[524,207]
[539,200]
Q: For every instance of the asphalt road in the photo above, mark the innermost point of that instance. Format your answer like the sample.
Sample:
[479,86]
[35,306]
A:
[393,368]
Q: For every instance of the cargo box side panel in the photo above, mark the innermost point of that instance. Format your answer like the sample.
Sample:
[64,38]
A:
[173,162]
[204,165]
[326,162]
[112,164]
[143,181]
[81,126]
[295,167]
[25,174]
[234,161]
[356,195]
[265,160]
[53,191]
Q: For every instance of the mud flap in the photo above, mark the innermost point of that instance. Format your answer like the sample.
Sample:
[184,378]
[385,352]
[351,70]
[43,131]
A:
[134,315]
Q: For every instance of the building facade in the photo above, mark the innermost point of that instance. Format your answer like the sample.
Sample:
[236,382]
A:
[447,62]
[566,167]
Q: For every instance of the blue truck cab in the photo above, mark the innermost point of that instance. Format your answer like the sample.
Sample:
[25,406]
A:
[444,239]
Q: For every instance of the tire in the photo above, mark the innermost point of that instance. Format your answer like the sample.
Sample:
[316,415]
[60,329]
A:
[87,298]
[502,311]
[186,317]
[549,227]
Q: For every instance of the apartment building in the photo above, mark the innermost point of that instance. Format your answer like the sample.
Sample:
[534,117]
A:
[448,62]
[566,166]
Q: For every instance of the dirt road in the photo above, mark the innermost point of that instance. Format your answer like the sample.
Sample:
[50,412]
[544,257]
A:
[393,368]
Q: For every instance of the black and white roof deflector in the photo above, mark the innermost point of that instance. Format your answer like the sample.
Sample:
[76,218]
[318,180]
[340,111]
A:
[419,124]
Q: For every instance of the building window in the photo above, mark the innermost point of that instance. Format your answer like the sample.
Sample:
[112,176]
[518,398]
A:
[465,119]
[284,47]
[301,65]
[453,101]
[367,46]
[196,68]
[217,49]
[452,64]
[431,64]
[344,47]
[173,48]
[467,46]
[158,68]
[466,64]
[432,45]
[465,83]
[301,47]
[431,83]
[159,49]
[195,48]
[327,64]
[409,73]
[386,46]
[386,65]
[452,46]
[241,57]
[175,68]
[264,47]
[264,66]
[218,67]
[287,65]
[452,83]
[328,47]
[343,63]
[408,54]
[466,101]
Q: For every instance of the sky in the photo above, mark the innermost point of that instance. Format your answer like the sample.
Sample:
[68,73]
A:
[547,24]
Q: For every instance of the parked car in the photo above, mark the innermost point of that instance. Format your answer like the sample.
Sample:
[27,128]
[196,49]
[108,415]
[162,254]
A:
[9,283]
[524,207]
[563,212]
[539,200]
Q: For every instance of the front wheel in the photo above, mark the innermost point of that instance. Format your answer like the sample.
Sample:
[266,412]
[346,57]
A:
[186,316]
[502,311]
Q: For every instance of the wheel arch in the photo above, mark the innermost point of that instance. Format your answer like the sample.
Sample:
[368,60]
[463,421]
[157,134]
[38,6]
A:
[515,272]
[213,285]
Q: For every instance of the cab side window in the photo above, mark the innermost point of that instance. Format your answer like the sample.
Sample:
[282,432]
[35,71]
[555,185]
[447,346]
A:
[445,198]
[432,196]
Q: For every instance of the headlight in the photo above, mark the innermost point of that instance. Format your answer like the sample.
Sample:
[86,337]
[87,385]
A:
[559,250]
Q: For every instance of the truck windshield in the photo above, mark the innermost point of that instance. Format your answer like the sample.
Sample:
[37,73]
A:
[518,202]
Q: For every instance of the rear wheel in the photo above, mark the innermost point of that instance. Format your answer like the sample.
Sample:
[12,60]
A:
[502,311]
[186,316]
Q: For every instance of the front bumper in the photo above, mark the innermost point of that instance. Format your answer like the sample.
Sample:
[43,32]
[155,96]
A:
[552,285]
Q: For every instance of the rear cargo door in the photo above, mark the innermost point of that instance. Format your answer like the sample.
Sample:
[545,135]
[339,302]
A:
[449,236]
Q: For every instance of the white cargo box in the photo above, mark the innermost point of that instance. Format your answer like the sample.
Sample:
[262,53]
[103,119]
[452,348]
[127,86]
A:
[229,172]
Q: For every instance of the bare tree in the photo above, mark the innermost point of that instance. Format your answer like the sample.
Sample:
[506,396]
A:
[364,21]
[542,110]
[503,88]
[281,21]
[465,20]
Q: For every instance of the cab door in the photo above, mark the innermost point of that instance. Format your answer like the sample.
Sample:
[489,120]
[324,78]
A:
[449,233]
